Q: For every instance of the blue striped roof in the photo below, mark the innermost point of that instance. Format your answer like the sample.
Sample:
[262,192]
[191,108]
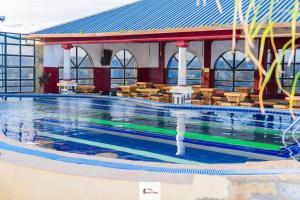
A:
[165,14]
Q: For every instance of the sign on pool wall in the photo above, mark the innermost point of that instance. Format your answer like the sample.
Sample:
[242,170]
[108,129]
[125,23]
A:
[150,191]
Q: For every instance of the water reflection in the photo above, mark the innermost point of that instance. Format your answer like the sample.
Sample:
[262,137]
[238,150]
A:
[19,134]
[181,128]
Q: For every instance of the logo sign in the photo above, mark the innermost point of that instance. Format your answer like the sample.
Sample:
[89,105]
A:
[149,191]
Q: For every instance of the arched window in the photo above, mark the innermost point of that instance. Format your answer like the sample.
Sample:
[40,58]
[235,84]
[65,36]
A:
[233,70]
[81,67]
[123,69]
[193,69]
[289,72]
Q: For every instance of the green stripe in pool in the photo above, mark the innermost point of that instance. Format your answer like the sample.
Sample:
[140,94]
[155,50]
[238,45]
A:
[189,135]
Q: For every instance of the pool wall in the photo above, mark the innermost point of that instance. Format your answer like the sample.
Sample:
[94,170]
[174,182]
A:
[24,180]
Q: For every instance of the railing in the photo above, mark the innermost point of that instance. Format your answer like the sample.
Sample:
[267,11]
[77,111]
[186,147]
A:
[294,127]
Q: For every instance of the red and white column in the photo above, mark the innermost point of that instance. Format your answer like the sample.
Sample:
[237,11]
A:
[182,62]
[182,94]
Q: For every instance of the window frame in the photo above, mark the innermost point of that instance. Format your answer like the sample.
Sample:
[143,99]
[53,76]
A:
[232,68]
[19,41]
[124,67]
[284,65]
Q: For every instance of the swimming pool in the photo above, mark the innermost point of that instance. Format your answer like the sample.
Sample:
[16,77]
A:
[131,130]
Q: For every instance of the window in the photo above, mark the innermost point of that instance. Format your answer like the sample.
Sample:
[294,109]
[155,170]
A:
[123,69]
[233,70]
[289,72]
[17,63]
[82,70]
[193,69]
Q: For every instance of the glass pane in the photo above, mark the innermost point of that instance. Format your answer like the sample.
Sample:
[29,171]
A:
[224,75]
[73,74]
[81,54]
[86,63]
[193,82]
[27,73]
[221,64]
[27,89]
[247,64]
[117,73]
[13,49]
[13,60]
[288,72]
[239,57]
[116,82]
[85,82]
[297,59]
[26,83]
[172,74]
[130,73]
[27,50]
[85,73]
[130,82]
[228,56]
[194,74]
[27,61]
[13,73]
[287,82]
[13,83]
[287,56]
[13,38]
[120,56]
[173,81]
[173,63]
[13,89]
[128,56]
[244,75]
[116,63]
[243,84]
[224,83]
[132,63]
[195,64]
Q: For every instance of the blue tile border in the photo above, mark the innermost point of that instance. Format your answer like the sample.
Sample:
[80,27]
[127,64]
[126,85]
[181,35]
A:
[153,103]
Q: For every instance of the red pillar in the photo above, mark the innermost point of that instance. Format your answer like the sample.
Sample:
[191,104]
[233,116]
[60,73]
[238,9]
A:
[102,79]
[161,62]
[51,85]
[207,73]
[271,90]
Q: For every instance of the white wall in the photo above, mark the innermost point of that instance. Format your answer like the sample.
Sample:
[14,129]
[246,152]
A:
[52,55]
[220,47]
[146,54]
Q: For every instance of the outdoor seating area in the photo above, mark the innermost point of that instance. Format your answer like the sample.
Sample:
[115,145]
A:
[203,95]
[148,91]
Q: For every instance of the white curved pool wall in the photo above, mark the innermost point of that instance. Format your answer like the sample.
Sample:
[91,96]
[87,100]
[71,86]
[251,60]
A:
[21,182]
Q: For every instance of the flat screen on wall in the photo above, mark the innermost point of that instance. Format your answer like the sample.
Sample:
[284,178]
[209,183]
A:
[106,57]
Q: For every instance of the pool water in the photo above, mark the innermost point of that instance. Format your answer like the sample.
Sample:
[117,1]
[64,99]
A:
[133,131]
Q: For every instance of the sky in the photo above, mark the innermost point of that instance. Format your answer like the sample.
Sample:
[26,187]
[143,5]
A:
[27,16]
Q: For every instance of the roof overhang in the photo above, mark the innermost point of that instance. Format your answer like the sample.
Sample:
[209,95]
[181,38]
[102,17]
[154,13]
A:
[221,32]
